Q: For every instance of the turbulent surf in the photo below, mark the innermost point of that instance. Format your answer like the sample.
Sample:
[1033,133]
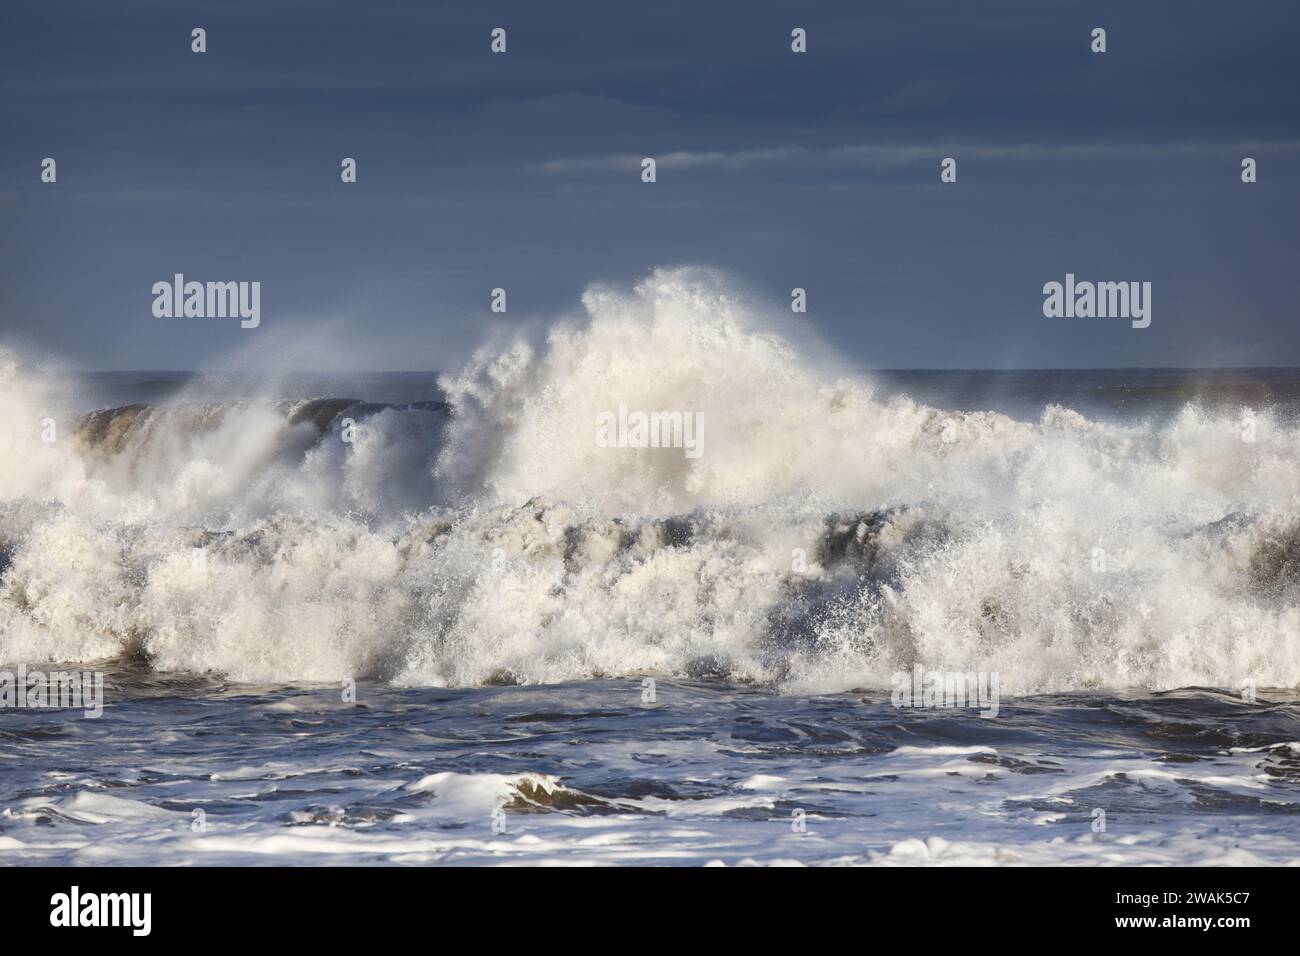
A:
[829,535]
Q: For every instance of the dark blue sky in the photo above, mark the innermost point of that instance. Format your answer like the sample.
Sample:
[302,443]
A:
[519,170]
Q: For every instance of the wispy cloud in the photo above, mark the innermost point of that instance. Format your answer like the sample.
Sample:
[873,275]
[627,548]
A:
[899,154]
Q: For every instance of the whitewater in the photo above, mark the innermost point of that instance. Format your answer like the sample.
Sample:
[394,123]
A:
[499,584]
[827,538]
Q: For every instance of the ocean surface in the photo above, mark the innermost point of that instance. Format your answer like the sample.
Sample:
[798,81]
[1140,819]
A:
[424,617]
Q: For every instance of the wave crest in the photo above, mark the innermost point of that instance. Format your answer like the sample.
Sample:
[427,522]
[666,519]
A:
[825,539]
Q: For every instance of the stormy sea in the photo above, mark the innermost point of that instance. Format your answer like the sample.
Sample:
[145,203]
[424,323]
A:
[817,615]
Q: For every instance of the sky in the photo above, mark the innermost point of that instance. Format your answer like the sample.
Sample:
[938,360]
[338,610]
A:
[521,170]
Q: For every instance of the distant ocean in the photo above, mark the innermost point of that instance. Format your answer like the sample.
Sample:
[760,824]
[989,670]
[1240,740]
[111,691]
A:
[417,618]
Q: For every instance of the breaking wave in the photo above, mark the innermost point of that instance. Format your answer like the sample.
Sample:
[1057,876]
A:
[825,538]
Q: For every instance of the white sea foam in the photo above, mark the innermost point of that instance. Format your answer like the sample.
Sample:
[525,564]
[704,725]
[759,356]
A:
[981,814]
[506,545]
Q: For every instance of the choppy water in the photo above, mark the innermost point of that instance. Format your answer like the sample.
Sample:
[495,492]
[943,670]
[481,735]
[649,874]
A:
[498,584]
[589,772]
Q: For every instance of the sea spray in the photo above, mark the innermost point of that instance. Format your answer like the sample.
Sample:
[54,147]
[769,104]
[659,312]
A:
[826,540]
